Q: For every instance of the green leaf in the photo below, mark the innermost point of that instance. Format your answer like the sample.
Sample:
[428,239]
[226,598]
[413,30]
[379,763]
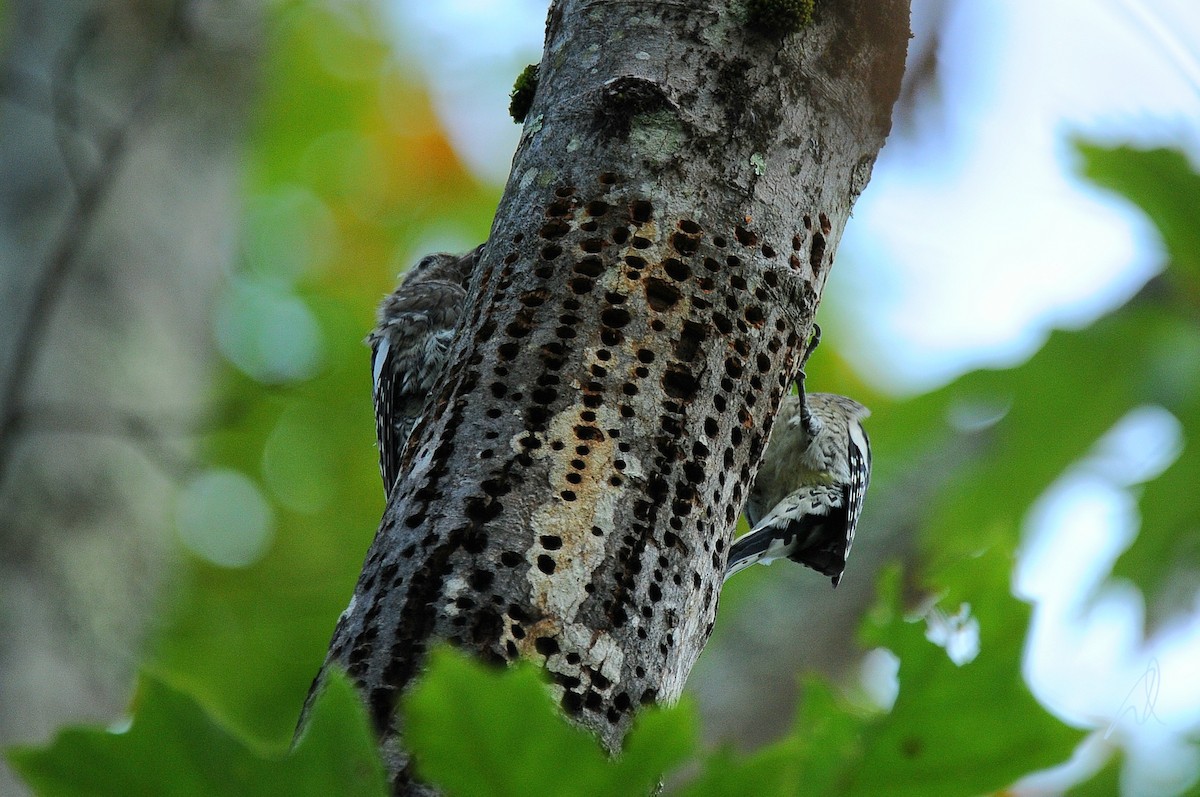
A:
[960,730]
[828,739]
[519,744]
[1163,184]
[338,753]
[1164,559]
[1056,405]
[661,739]
[174,749]
[1104,783]
[770,772]
[1052,410]
[953,730]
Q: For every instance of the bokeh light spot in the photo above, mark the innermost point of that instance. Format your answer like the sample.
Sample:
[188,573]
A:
[223,518]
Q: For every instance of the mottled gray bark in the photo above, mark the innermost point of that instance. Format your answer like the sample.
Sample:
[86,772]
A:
[651,276]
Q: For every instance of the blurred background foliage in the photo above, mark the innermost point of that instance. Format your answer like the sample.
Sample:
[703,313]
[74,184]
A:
[911,678]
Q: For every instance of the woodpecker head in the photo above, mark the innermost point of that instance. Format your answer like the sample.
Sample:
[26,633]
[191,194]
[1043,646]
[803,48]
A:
[442,267]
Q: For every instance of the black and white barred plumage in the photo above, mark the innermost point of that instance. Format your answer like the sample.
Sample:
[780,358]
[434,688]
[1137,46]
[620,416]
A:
[809,492]
[412,336]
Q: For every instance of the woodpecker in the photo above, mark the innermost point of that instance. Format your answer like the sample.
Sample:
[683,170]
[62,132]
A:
[809,492]
[413,332]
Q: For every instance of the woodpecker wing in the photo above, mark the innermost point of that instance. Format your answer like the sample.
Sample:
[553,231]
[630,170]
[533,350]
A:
[407,356]
[859,457]
[807,526]
[388,394]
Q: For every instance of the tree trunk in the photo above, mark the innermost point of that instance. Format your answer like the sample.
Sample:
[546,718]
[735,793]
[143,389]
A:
[637,315]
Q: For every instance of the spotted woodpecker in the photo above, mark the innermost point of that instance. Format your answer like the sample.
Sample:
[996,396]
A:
[809,492]
[413,333]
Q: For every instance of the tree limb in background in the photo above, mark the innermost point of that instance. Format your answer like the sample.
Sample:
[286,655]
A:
[90,192]
[638,313]
[65,97]
[150,435]
[36,94]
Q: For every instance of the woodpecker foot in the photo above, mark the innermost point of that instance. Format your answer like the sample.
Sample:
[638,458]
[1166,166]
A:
[807,420]
[813,342]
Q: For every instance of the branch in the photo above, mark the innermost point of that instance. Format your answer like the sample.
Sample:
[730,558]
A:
[30,91]
[64,96]
[148,435]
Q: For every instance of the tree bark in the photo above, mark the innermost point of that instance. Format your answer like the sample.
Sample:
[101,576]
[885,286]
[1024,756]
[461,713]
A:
[637,315]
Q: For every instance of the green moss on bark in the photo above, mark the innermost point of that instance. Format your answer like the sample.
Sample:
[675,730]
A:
[779,17]
[521,98]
